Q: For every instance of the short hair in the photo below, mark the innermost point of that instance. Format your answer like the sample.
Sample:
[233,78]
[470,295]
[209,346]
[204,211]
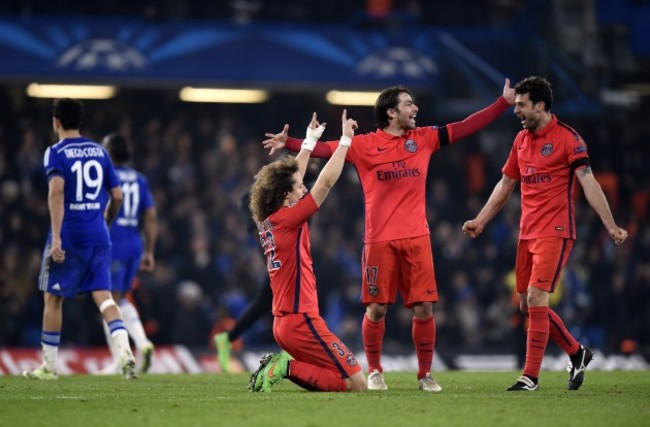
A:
[538,90]
[69,112]
[118,147]
[272,184]
[387,99]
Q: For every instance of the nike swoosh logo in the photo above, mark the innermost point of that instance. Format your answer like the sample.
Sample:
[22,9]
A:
[431,291]
[582,367]
[380,149]
[271,370]
[542,281]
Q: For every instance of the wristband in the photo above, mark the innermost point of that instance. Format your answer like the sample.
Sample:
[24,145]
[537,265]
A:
[345,141]
[308,144]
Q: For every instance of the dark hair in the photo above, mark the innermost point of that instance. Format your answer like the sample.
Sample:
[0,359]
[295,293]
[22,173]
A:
[272,184]
[387,99]
[538,90]
[69,112]
[118,147]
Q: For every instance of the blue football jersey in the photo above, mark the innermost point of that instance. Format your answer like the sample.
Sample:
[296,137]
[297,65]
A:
[125,230]
[89,175]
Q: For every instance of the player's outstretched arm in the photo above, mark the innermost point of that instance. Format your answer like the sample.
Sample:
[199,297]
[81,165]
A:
[480,119]
[498,198]
[332,170]
[598,201]
[277,141]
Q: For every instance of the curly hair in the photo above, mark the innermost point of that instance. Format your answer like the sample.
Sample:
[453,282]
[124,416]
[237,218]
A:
[387,99]
[272,184]
[538,90]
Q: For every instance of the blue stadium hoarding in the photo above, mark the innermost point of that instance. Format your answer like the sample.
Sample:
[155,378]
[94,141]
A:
[135,52]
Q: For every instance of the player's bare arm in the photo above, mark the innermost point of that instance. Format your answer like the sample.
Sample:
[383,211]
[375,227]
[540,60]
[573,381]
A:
[332,170]
[150,227]
[313,133]
[598,201]
[55,201]
[498,198]
[114,204]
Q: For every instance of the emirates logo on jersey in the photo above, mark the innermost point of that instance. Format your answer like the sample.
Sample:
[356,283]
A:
[411,146]
[547,149]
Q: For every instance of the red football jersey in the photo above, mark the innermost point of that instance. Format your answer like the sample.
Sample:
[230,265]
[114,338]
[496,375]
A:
[284,236]
[545,164]
[393,173]
[393,170]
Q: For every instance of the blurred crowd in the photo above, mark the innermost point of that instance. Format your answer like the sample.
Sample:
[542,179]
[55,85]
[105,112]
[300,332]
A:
[201,158]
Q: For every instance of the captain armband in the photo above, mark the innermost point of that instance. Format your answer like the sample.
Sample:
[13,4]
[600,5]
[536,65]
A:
[580,163]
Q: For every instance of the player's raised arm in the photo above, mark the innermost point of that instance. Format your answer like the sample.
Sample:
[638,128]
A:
[480,119]
[277,141]
[314,131]
[332,170]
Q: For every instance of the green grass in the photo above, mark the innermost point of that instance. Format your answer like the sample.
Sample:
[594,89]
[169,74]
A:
[618,398]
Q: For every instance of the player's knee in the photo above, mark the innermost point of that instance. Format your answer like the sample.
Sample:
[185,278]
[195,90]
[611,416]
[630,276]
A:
[423,310]
[376,312]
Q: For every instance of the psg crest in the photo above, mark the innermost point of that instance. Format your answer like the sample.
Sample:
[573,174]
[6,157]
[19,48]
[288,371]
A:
[410,146]
[547,149]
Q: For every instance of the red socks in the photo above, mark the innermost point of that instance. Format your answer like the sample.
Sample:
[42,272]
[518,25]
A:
[424,338]
[373,340]
[538,333]
[560,335]
[314,378]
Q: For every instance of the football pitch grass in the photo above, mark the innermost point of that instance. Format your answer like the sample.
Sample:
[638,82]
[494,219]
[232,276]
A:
[617,398]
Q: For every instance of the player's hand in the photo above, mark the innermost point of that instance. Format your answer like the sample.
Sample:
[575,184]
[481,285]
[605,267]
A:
[315,129]
[56,251]
[348,125]
[618,235]
[472,228]
[147,263]
[509,93]
[276,141]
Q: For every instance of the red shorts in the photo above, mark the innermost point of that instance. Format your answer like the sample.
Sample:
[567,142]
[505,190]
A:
[540,262]
[307,339]
[404,264]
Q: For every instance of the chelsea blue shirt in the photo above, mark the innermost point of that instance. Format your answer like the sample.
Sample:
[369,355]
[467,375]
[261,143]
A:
[125,230]
[89,175]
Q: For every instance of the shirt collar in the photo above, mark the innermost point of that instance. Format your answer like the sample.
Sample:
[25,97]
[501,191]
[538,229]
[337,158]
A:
[549,126]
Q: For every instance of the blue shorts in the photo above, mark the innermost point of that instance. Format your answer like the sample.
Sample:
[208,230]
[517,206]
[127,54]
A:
[123,272]
[84,270]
